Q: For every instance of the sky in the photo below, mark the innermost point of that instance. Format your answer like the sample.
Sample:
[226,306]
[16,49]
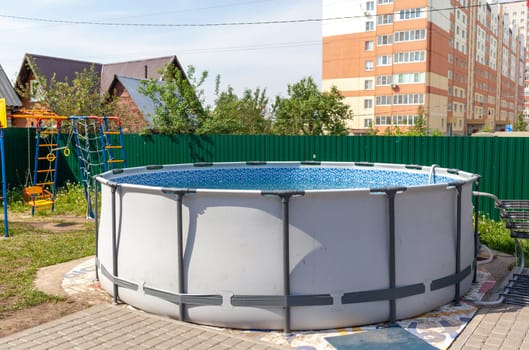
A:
[267,56]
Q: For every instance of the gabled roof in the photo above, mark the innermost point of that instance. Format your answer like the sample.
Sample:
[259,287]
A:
[144,103]
[140,69]
[48,66]
[63,68]
[7,91]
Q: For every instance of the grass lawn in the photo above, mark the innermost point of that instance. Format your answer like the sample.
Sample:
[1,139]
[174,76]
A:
[29,249]
[32,246]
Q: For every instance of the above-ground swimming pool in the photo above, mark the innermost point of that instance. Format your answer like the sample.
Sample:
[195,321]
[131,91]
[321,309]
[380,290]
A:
[286,245]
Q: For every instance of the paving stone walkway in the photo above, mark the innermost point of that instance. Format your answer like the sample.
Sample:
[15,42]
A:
[503,327]
[118,327]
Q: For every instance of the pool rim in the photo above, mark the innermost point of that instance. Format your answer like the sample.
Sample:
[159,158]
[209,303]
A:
[459,176]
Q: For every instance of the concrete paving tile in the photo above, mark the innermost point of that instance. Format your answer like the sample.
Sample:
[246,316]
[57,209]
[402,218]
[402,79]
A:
[524,346]
[490,347]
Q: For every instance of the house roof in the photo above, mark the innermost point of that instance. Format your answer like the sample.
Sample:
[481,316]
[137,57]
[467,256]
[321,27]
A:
[7,91]
[47,66]
[140,69]
[144,103]
[63,68]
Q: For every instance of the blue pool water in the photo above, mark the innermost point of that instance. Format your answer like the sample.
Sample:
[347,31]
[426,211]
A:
[280,178]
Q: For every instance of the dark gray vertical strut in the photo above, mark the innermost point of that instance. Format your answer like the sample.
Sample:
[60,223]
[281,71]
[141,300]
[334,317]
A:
[459,187]
[285,198]
[286,259]
[391,193]
[180,243]
[392,258]
[180,193]
[96,183]
[476,232]
[114,187]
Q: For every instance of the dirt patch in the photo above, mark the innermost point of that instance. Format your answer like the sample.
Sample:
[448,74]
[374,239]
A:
[31,317]
[55,223]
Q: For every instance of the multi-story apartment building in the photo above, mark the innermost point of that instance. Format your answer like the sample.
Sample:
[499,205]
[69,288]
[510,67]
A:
[457,63]
[518,15]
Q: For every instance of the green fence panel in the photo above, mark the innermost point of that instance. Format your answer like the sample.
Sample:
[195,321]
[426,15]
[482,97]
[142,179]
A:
[501,162]
[19,146]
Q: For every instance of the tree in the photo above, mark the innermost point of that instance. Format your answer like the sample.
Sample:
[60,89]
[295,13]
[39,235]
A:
[80,96]
[234,115]
[419,128]
[307,111]
[177,99]
[520,124]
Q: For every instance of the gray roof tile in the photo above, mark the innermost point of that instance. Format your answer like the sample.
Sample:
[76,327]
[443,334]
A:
[7,91]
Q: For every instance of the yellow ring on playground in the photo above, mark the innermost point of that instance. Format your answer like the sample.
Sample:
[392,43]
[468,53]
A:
[66,152]
[50,157]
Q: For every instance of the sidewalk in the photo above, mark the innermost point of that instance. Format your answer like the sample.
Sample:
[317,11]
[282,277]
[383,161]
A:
[106,326]
[503,327]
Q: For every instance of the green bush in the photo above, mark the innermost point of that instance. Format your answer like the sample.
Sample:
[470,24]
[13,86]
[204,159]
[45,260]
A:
[495,236]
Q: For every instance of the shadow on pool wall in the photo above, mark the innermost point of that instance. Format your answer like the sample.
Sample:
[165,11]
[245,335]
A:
[289,260]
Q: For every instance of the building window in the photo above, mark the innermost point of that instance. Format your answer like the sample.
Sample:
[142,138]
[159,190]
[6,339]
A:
[408,99]
[385,19]
[369,45]
[411,13]
[383,2]
[409,56]
[368,103]
[384,40]
[404,119]
[383,100]
[368,65]
[35,91]
[410,35]
[409,78]
[368,84]
[370,5]
[370,26]
[383,60]
[384,80]
[383,120]
[368,123]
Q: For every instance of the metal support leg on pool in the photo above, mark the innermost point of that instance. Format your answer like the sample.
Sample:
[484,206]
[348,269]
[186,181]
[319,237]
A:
[114,187]
[180,249]
[391,193]
[285,198]
[476,232]
[459,188]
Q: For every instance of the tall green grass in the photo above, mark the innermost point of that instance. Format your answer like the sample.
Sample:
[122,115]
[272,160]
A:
[69,200]
[495,236]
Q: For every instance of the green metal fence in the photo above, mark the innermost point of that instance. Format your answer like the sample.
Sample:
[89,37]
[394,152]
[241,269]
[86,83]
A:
[501,161]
